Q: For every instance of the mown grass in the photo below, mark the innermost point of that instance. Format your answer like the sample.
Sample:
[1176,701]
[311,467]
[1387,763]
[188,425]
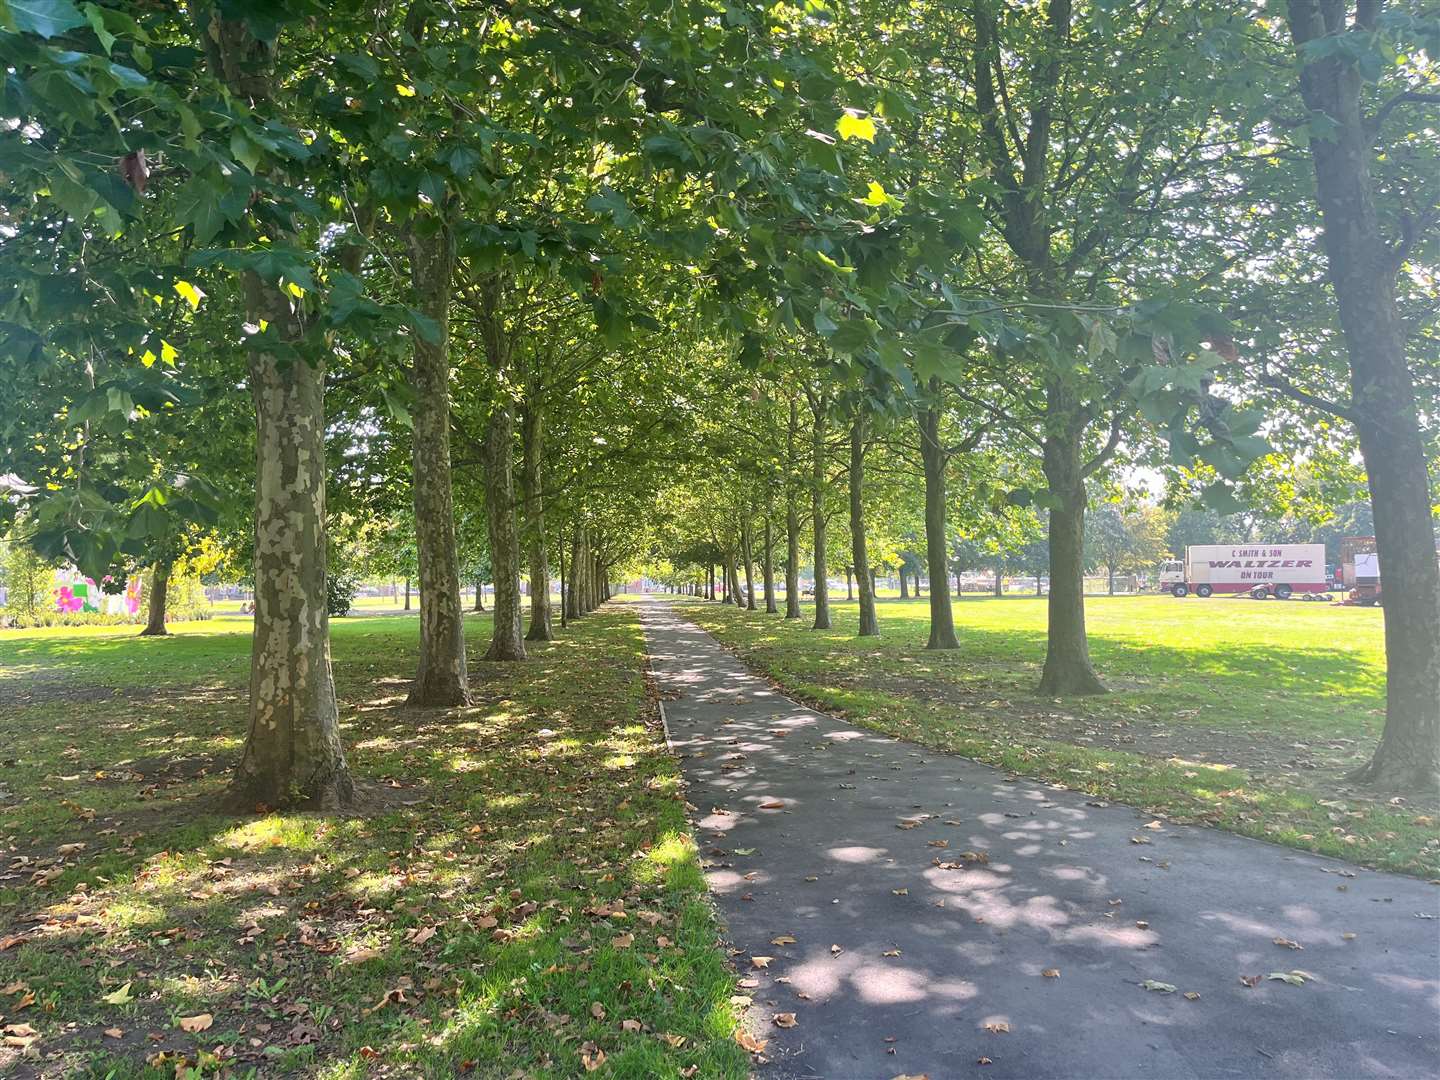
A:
[1240,714]
[520,895]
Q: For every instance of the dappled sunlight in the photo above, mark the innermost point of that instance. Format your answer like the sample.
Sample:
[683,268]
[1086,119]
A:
[873,886]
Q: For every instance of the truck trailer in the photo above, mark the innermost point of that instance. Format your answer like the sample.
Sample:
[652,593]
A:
[1258,570]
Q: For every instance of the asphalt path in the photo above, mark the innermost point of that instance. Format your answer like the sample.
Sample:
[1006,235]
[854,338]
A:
[927,915]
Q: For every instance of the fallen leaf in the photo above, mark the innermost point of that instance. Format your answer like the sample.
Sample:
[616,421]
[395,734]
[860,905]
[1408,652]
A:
[983,1061]
[630,1025]
[1347,936]
[1249,980]
[1158,987]
[785,1020]
[773,804]
[591,1056]
[749,1042]
[114,1033]
[597,1010]
[1191,995]
[1294,978]
[998,1027]
[891,952]
[783,939]
[198,1022]
[900,892]
[1286,943]
[1051,973]
[760,963]
[420,935]
[118,997]
[357,955]
[623,941]
[836,950]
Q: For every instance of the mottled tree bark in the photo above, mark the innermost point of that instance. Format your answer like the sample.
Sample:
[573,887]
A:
[532,441]
[932,453]
[479,594]
[869,622]
[156,602]
[292,754]
[441,677]
[1362,268]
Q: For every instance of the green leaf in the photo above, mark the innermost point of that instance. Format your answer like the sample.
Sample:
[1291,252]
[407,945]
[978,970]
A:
[47,18]
[1220,498]
[197,204]
[1158,987]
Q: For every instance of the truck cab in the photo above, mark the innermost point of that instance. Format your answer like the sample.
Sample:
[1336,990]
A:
[1172,573]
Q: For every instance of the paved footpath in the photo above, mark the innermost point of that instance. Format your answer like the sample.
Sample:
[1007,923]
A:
[952,922]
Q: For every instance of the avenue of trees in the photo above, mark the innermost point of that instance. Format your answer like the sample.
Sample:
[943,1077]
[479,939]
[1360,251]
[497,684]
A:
[488,292]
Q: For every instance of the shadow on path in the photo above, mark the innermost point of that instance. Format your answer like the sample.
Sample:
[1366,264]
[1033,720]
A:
[942,913]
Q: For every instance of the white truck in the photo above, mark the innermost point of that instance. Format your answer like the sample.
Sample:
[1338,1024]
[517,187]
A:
[1261,570]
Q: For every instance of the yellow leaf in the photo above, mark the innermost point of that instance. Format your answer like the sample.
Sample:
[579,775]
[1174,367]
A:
[856,127]
[118,997]
[148,358]
[294,290]
[189,293]
[199,1022]
[404,91]
[877,196]
[168,352]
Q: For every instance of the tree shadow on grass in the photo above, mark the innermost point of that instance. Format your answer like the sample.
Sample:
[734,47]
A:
[418,936]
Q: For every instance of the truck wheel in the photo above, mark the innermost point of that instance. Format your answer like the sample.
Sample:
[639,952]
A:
[1179,591]
[1284,592]
[1260,592]
[1203,591]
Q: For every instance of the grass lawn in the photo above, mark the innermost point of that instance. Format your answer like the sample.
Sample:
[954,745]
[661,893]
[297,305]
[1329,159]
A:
[520,896]
[1235,713]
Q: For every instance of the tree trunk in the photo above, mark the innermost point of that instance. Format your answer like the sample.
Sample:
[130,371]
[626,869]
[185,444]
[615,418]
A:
[1067,657]
[532,441]
[572,595]
[441,677]
[506,640]
[817,514]
[942,615]
[1000,580]
[850,583]
[792,518]
[904,590]
[292,755]
[1110,569]
[479,594]
[768,566]
[869,623]
[565,591]
[1362,268]
[748,553]
[710,582]
[407,594]
[159,590]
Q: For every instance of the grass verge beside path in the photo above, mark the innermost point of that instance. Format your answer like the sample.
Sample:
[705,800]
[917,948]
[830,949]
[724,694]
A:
[1239,714]
[521,896]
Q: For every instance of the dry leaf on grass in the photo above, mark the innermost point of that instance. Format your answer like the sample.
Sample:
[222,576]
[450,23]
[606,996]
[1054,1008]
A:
[197,1023]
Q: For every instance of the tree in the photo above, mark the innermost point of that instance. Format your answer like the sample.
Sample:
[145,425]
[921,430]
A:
[1338,55]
